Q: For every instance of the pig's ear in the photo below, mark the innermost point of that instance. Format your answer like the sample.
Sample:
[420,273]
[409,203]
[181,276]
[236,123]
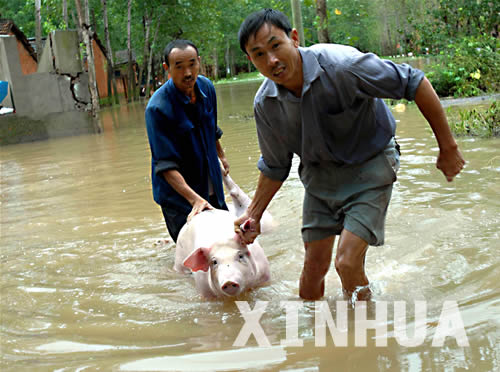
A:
[197,260]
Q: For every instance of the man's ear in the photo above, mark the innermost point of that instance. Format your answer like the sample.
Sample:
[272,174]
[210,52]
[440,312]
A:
[248,57]
[165,67]
[294,35]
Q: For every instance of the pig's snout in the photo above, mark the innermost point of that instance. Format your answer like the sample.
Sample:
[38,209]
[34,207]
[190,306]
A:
[230,288]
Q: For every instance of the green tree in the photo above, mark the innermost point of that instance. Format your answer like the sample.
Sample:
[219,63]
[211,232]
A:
[386,27]
[448,20]
[322,21]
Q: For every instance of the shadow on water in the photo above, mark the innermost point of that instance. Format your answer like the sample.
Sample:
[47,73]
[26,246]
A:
[87,280]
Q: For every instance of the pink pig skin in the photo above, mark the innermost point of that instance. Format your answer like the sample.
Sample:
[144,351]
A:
[208,246]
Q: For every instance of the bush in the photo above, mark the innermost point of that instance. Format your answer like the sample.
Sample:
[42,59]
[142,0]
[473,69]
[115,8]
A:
[477,123]
[468,68]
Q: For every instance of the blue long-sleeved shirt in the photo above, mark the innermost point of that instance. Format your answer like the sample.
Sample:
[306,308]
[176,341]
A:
[183,136]
[340,116]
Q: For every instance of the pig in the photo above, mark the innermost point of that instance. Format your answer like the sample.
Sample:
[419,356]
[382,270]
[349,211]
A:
[221,264]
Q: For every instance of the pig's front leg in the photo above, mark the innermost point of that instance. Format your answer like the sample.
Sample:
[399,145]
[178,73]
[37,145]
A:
[181,252]
[202,283]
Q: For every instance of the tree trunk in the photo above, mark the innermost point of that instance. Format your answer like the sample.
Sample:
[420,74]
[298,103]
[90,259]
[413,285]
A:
[94,23]
[76,22]
[389,47]
[150,60]
[144,67]
[228,60]
[109,55]
[131,78]
[323,21]
[397,37]
[91,60]
[297,20]
[233,65]
[216,66]
[38,30]
[86,33]
[404,16]
[154,71]
[65,13]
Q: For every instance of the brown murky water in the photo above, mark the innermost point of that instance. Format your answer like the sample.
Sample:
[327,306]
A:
[85,286]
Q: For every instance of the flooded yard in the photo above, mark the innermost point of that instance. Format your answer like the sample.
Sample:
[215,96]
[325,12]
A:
[86,283]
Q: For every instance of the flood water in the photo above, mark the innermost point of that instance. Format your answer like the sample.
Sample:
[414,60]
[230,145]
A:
[86,285]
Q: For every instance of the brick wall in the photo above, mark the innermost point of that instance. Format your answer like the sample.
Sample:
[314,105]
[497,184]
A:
[28,64]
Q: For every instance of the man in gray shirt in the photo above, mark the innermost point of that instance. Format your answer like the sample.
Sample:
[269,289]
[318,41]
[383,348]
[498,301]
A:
[324,103]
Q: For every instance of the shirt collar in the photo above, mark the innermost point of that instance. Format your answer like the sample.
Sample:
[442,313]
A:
[198,87]
[311,70]
[310,67]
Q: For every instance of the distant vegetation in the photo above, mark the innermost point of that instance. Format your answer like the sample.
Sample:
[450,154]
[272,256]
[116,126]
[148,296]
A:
[463,34]
[469,67]
[477,122]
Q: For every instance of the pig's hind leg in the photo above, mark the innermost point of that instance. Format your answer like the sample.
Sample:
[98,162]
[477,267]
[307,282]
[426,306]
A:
[241,201]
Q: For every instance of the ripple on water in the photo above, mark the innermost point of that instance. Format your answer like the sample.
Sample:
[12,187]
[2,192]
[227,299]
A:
[239,359]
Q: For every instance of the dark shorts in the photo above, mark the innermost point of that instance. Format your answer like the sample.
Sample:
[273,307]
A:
[175,219]
[354,198]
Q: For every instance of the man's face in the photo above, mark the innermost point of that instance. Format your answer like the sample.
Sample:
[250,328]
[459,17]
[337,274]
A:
[275,54]
[184,66]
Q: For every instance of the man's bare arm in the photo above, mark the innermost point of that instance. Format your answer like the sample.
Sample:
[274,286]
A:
[177,181]
[450,161]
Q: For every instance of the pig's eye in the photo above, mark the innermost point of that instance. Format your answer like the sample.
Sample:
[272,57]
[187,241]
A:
[214,262]
[241,256]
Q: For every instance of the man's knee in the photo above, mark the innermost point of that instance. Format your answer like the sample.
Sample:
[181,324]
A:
[349,265]
[345,266]
[351,254]
[316,269]
[318,257]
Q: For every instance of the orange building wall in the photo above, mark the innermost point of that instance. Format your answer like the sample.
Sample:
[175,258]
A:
[28,64]
[121,83]
[100,70]
[101,65]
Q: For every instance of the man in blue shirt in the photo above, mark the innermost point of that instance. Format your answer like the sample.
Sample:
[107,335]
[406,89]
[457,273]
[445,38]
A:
[324,103]
[181,121]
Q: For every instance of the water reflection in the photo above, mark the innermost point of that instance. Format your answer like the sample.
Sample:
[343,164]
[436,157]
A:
[87,281]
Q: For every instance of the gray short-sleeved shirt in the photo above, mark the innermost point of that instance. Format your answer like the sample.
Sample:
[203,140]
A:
[339,118]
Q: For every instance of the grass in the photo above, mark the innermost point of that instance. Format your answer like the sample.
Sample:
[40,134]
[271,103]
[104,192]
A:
[477,122]
[242,77]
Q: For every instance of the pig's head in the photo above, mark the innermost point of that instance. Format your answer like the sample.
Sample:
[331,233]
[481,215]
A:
[228,264]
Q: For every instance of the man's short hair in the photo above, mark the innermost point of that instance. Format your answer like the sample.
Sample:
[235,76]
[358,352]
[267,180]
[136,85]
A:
[254,22]
[178,43]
